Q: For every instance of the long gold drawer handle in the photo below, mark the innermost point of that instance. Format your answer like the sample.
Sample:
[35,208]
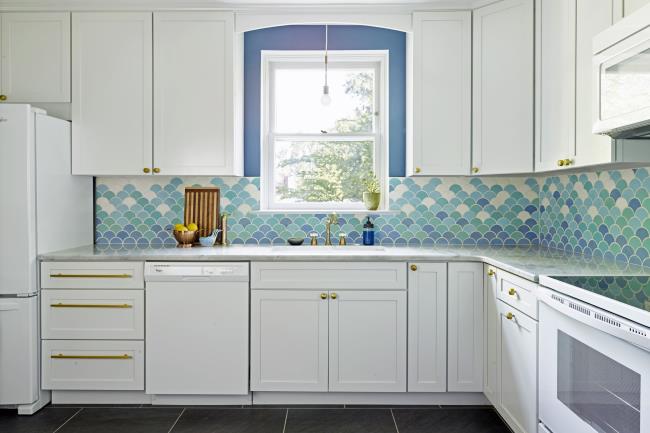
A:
[91,276]
[62,356]
[61,305]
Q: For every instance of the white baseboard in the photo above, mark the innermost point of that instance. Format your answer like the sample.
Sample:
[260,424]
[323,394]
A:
[199,400]
[44,399]
[100,397]
[379,398]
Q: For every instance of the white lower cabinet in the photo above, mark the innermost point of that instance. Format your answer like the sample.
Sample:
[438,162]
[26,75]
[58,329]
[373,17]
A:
[510,369]
[289,340]
[465,327]
[491,331]
[309,340]
[92,365]
[367,341]
[517,360]
[427,327]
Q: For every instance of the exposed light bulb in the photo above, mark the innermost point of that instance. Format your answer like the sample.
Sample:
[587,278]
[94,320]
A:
[326,99]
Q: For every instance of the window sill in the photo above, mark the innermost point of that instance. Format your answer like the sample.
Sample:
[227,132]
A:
[327,211]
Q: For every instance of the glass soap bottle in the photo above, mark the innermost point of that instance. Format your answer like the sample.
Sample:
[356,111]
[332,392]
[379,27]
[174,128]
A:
[368,232]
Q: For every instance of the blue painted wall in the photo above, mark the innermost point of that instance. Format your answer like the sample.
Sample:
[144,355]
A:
[311,37]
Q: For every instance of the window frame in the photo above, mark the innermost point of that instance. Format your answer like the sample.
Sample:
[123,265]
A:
[377,59]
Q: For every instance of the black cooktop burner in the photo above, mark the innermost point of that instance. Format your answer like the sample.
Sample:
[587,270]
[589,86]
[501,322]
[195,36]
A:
[631,290]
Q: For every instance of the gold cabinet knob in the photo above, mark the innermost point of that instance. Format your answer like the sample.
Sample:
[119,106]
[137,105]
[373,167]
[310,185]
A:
[510,316]
[156,170]
[146,169]
[512,292]
[323,295]
[333,296]
[475,170]
[3,97]
[490,272]
[567,162]
[414,267]
[418,169]
[560,163]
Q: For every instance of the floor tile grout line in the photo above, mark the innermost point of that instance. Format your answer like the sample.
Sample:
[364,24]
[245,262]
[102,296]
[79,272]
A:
[286,416]
[68,420]
[176,422]
[394,420]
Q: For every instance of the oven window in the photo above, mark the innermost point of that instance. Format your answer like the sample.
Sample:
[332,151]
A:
[602,392]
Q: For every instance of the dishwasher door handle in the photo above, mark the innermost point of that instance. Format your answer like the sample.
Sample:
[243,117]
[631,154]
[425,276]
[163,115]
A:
[195,279]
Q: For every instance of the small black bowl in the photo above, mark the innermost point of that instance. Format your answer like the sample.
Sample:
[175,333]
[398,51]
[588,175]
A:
[295,241]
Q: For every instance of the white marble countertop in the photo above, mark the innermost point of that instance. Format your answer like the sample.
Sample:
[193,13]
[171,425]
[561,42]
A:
[527,262]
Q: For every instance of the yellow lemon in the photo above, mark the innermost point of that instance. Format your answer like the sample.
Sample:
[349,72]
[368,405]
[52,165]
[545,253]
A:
[180,228]
[192,227]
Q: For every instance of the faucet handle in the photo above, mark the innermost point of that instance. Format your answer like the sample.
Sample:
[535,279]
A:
[343,239]
[314,238]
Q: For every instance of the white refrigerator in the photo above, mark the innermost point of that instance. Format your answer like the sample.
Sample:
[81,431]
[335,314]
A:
[43,208]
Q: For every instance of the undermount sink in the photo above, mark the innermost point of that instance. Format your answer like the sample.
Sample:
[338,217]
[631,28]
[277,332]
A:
[330,249]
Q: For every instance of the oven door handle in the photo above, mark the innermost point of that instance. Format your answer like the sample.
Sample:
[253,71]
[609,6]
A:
[587,314]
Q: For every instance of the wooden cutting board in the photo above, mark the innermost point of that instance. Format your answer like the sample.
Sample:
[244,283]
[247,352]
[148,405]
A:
[202,208]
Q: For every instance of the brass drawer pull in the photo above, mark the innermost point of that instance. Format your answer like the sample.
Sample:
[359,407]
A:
[62,356]
[414,267]
[61,305]
[91,276]
[510,316]
[490,272]
[512,292]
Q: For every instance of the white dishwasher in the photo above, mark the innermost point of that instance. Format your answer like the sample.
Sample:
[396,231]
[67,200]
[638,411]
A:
[196,328]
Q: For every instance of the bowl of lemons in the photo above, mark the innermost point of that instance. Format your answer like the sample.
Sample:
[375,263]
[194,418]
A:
[185,235]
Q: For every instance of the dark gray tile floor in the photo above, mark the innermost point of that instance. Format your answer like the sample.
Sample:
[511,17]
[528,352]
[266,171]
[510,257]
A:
[267,419]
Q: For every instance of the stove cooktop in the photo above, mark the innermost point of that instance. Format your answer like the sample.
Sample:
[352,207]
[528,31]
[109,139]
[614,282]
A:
[631,290]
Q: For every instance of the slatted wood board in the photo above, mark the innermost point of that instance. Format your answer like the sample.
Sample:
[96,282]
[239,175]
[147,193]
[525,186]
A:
[202,208]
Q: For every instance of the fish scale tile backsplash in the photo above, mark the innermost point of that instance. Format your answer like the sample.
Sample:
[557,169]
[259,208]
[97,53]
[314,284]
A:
[602,214]
[448,211]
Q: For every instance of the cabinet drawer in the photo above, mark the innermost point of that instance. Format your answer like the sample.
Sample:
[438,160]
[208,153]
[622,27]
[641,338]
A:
[329,275]
[517,292]
[93,365]
[92,314]
[92,275]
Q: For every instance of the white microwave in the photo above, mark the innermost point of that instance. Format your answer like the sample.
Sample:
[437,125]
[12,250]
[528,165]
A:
[621,78]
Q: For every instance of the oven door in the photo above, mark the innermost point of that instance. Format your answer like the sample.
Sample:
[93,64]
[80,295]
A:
[590,381]
[621,80]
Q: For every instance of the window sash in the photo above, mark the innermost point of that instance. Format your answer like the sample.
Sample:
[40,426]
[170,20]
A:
[351,59]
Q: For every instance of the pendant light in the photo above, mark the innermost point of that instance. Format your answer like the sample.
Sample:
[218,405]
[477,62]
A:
[326,99]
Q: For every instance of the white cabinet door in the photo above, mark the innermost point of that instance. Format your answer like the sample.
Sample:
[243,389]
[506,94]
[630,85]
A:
[490,373]
[427,327]
[465,327]
[289,340]
[631,6]
[592,17]
[367,341]
[442,105]
[36,57]
[555,86]
[111,93]
[503,133]
[193,94]
[517,345]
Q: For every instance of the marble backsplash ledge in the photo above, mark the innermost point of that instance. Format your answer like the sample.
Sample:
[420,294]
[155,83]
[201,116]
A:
[439,210]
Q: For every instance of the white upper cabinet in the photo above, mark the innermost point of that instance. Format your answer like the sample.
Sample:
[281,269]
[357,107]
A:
[592,17]
[111,93]
[465,327]
[194,86]
[503,131]
[35,57]
[442,105]
[555,87]
[630,6]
